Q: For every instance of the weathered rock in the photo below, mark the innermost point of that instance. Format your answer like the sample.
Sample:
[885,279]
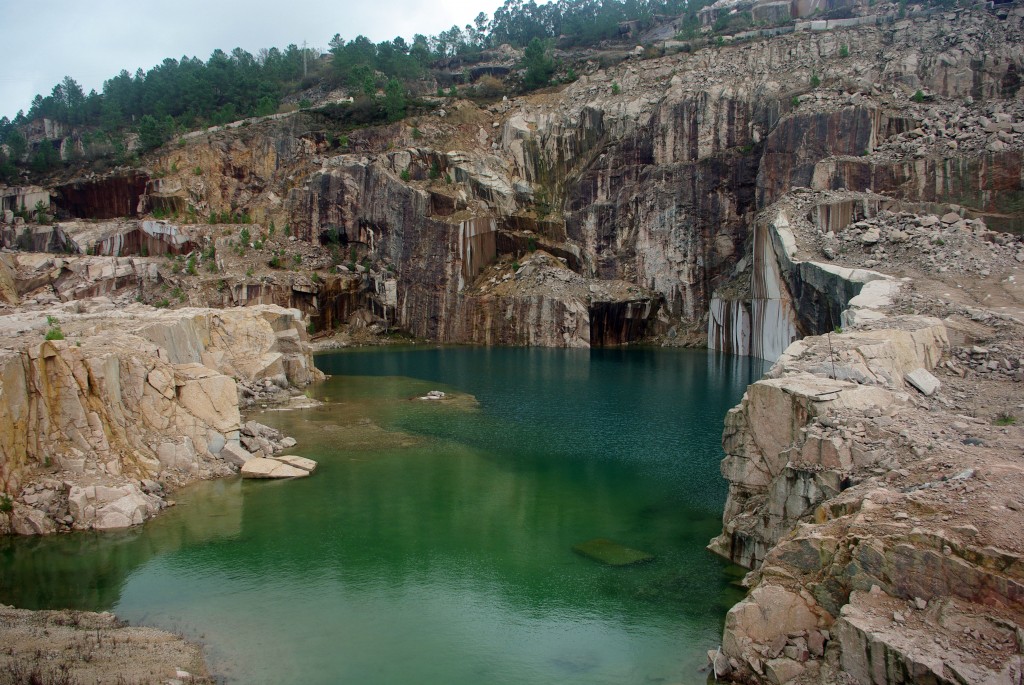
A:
[128,395]
[28,521]
[235,454]
[923,381]
[298,462]
[271,468]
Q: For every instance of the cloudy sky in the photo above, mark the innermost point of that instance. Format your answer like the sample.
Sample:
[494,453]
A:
[92,41]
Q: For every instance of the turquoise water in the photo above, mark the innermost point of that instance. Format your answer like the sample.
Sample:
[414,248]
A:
[434,543]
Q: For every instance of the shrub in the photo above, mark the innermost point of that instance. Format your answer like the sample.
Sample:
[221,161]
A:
[198,171]
[406,175]
[615,88]
[1005,419]
[815,80]
[6,505]
[55,333]
[435,171]
[162,304]
[244,236]
[489,87]
[844,51]
[918,97]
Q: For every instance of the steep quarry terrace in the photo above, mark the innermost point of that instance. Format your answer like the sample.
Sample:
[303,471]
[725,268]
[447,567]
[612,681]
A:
[875,473]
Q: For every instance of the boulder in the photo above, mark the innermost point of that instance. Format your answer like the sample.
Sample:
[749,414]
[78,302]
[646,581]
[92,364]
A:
[270,468]
[29,521]
[235,454]
[925,382]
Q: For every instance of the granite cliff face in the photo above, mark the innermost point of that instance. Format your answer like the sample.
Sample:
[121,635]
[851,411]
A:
[94,426]
[651,172]
[875,502]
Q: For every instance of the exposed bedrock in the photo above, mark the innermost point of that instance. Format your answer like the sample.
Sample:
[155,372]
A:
[873,514]
[657,182]
[987,186]
[442,290]
[129,396]
[116,194]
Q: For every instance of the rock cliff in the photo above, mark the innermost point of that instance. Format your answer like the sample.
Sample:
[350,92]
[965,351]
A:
[875,501]
[129,401]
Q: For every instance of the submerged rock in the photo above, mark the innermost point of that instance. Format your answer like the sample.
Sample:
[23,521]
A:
[611,553]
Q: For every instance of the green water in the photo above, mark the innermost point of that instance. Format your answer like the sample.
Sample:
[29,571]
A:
[433,545]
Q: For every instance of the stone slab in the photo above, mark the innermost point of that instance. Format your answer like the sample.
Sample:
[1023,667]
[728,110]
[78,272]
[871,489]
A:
[923,381]
[296,461]
[270,468]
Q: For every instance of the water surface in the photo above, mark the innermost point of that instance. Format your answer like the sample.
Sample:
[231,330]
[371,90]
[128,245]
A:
[434,543]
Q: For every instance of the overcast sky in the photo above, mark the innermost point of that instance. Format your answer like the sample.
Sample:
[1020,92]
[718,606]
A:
[93,40]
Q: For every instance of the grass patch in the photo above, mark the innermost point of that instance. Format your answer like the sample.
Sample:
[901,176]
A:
[1005,419]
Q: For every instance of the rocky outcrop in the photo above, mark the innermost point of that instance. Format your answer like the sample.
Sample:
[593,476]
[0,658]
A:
[130,401]
[873,516]
[55,646]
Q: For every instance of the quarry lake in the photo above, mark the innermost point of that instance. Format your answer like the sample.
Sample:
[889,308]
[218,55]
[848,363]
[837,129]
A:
[434,544]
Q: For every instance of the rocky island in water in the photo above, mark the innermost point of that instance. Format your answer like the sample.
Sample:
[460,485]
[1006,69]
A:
[836,187]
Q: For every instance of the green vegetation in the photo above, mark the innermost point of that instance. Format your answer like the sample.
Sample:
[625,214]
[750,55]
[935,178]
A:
[6,505]
[844,50]
[178,95]
[918,97]
[1005,419]
[55,333]
[539,65]
[615,88]
[815,80]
